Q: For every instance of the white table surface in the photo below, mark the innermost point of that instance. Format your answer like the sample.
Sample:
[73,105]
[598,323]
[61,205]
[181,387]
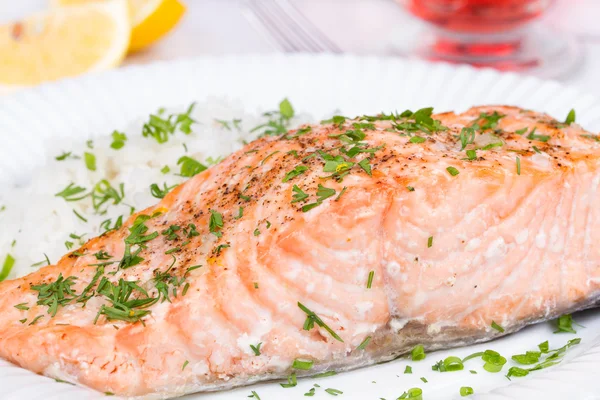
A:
[356,26]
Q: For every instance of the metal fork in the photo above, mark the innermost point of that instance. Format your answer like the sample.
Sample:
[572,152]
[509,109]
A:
[288,27]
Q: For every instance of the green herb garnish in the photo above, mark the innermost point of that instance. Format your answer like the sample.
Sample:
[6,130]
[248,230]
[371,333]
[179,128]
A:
[497,327]
[303,364]
[564,323]
[313,319]
[215,223]
[370,279]
[298,170]
[418,353]
[71,192]
[256,349]
[291,381]
[7,266]
[570,117]
[119,139]
[364,343]
[452,171]
[55,294]
[190,167]
[90,161]
[334,392]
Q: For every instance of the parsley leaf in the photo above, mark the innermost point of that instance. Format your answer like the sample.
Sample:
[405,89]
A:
[119,140]
[299,195]
[90,161]
[215,223]
[190,167]
[570,117]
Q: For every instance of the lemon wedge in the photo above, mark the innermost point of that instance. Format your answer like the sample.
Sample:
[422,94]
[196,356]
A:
[150,19]
[63,42]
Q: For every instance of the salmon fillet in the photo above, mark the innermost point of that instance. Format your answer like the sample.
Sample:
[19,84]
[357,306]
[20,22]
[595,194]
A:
[339,245]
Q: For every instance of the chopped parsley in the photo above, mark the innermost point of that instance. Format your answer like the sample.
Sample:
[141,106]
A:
[226,124]
[161,128]
[413,393]
[79,216]
[564,323]
[292,381]
[452,171]
[103,193]
[570,117]
[521,131]
[364,164]
[55,294]
[334,392]
[255,395]
[303,364]
[119,139]
[72,193]
[370,279]
[541,138]
[278,122]
[298,170]
[488,121]
[240,213]
[530,357]
[325,374]
[417,139]
[422,121]
[418,353]
[159,193]
[313,319]
[90,161]
[124,307]
[467,136]
[215,223]
[285,109]
[7,266]
[102,255]
[449,364]
[364,343]
[65,155]
[322,194]
[497,327]
[190,167]
[219,248]
[493,361]
[256,349]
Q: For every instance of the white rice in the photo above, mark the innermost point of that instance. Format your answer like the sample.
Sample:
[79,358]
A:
[35,223]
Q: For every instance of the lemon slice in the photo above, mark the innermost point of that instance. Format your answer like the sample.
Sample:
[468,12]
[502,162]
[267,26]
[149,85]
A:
[63,42]
[151,19]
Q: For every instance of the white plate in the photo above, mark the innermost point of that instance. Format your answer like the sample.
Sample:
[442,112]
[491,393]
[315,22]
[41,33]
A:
[97,104]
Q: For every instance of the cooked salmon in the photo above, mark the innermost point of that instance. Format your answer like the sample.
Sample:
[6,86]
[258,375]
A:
[330,247]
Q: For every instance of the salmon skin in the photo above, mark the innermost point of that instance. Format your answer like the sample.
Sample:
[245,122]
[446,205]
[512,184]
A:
[331,247]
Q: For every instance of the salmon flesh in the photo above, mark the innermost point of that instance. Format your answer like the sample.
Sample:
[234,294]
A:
[330,247]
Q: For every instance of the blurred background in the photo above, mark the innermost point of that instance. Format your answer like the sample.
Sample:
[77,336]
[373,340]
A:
[43,40]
